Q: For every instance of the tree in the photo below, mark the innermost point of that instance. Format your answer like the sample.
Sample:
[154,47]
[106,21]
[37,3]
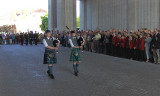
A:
[78,22]
[44,25]
[8,28]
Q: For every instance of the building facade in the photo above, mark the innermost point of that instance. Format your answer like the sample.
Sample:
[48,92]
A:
[105,14]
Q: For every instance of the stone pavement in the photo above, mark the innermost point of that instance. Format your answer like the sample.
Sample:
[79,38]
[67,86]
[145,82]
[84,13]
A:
[23,74]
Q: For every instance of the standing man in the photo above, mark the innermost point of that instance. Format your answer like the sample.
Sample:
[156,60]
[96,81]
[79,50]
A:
[35,37]
[22,38]
[155,43]
[107,43]
[50,57]
[26,38]
[10,38]
[30,37]
[1,39]
[75,54]
[13,38]
[96,42]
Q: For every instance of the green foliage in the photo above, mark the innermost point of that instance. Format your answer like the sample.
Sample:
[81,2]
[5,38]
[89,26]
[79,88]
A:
[44,25]
[78,22]
[8,28]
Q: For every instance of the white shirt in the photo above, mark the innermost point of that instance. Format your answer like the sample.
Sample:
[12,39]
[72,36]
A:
[71,43]
[45,43]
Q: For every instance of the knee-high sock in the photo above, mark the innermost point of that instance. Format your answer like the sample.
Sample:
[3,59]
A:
[50,69]
[75,67]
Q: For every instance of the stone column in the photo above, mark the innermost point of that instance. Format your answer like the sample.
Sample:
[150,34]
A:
[145,15]
[66,14]
[100,14]
[52,14]
[114,14]
[157,14]
[111,13]
[132,14]
[70,14]
[105,20]
[94,13]
[124,14]
[89,14]
[83,15]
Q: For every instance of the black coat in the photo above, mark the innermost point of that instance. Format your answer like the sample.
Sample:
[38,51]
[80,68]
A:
[155,43]
[26,36]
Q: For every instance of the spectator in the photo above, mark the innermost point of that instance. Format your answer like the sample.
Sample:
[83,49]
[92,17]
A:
[156,46]
[147,46]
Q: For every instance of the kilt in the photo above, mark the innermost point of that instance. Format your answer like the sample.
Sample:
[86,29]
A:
[50,57]
[75,55]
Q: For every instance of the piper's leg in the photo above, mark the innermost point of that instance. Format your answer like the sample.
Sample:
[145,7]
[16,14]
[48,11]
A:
[75,68]
[50,71]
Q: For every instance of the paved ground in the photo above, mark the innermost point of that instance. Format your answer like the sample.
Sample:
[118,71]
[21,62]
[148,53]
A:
[23,74]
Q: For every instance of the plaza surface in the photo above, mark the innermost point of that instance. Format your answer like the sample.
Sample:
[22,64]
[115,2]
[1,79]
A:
[22,73]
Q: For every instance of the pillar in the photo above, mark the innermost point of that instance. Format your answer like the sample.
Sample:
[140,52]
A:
[132,14]
[66,15]
[83,15]
[52,14]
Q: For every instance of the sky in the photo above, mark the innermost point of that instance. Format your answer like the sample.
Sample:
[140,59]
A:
[78,8]
[9,5]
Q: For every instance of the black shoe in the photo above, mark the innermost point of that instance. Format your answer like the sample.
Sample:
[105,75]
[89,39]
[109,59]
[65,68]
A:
[76,73]
[48,73]
[51,76]
[155,62]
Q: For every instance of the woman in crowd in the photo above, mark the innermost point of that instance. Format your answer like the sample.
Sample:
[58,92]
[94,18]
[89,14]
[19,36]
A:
[147,46]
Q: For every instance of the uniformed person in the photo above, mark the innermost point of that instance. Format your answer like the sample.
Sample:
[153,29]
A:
[26,38]
[75,54]
[50,57]
[22,38]
[30,37]
[35,37]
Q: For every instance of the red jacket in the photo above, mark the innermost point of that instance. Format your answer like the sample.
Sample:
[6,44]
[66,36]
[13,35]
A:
[135,44]
[114,39]
[130,44]
[138,44]
[127,42]
[141,44]
[118,42]
[122,43]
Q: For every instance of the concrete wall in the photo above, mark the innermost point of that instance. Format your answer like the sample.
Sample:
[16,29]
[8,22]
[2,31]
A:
[105,14]
[62,13]
[52,11]
[120,14]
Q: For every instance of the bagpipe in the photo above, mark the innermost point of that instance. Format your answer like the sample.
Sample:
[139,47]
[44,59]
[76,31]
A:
[80,40]
[55,43]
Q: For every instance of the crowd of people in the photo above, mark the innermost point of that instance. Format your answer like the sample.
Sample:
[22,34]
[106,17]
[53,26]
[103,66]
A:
[21,38]
[142,45]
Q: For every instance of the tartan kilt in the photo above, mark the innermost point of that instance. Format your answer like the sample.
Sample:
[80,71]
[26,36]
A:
[50,57]
[75,55]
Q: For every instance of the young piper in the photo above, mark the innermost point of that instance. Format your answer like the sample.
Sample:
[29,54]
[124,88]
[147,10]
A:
[75,54]
[50,57]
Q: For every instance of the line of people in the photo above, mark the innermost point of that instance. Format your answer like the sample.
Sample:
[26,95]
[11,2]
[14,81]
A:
[142,45]
[21,38]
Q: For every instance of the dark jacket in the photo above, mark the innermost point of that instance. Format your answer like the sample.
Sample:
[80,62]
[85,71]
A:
[155,43]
